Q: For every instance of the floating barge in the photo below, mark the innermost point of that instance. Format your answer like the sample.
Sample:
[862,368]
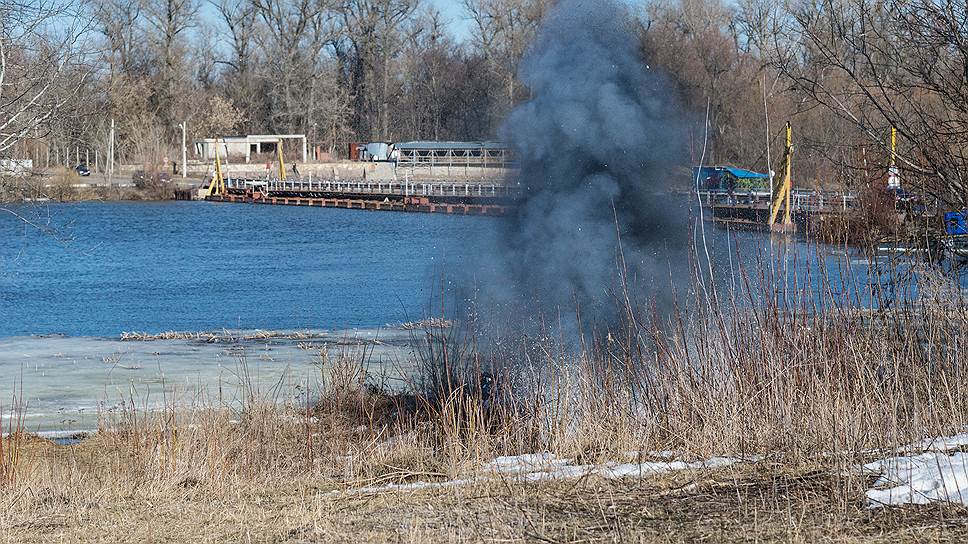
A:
[488,199]
[746,199]
[751,209]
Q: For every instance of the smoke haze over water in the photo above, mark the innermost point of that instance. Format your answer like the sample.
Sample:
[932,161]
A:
[600,130]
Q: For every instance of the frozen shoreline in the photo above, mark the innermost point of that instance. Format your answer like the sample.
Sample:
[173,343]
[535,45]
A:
[70,383]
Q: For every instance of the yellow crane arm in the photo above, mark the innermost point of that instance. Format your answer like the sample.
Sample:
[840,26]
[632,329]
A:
[786,188]
[282,164]
[217,187]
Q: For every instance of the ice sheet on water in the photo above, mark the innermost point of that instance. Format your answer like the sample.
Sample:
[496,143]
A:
[68,382]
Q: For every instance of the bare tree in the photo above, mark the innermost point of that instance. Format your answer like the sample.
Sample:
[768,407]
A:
[901,63]
[41,66]
[296,33]
[331,108]
[118,21]
[443,93]
[696,44]
[372,28]
[502,31]
[240,19]
[169,21]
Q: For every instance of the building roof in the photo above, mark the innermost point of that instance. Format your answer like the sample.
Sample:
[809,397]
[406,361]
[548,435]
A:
[223,139]
[251,138]
[738,172]
[449,145]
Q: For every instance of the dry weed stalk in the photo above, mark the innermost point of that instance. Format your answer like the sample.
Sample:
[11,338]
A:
[12,441]
[757,370]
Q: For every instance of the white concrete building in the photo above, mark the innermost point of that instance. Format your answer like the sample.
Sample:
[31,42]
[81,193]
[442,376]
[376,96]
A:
[245,146]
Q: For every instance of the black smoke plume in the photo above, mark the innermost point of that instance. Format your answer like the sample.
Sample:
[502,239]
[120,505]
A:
[596,144]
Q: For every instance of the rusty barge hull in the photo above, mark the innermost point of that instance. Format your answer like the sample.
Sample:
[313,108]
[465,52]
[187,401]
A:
[398,196]
[396,205]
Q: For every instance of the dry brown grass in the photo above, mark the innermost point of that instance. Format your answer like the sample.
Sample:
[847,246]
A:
[806,386]
[771,503]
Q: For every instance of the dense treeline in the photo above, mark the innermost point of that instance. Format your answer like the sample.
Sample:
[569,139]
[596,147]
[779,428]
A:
[843,71]
[337,71]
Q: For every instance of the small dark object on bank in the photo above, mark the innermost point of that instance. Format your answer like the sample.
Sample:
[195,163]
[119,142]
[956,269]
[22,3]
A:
[481,388]
[82,170]
[70,440]
[144,180]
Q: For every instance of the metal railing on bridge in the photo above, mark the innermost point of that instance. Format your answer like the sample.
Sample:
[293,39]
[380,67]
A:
[802,200]
[402,188]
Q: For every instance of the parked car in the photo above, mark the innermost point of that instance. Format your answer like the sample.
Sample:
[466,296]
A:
[82,170]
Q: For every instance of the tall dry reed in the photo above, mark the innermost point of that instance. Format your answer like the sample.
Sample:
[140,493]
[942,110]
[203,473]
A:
[777,361]
[762,364]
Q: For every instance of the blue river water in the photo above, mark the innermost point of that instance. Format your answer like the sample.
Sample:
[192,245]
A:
[73,277]
[97,269]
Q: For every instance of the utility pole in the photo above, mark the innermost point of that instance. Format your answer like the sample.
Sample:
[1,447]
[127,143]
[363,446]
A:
[184,163]
[111,153]
[315,145]
[893,176]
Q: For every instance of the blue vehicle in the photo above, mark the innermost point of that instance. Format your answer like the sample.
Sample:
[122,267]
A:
[956,230]
[956,223]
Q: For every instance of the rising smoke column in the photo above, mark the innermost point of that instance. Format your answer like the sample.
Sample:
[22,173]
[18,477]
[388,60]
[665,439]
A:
[599,131]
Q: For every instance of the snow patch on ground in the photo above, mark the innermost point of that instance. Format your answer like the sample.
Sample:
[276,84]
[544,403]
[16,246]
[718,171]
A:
[943,443]
[520,464]
[920,479]
[936,475]
[564,470]
[413,486]
[540,467]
